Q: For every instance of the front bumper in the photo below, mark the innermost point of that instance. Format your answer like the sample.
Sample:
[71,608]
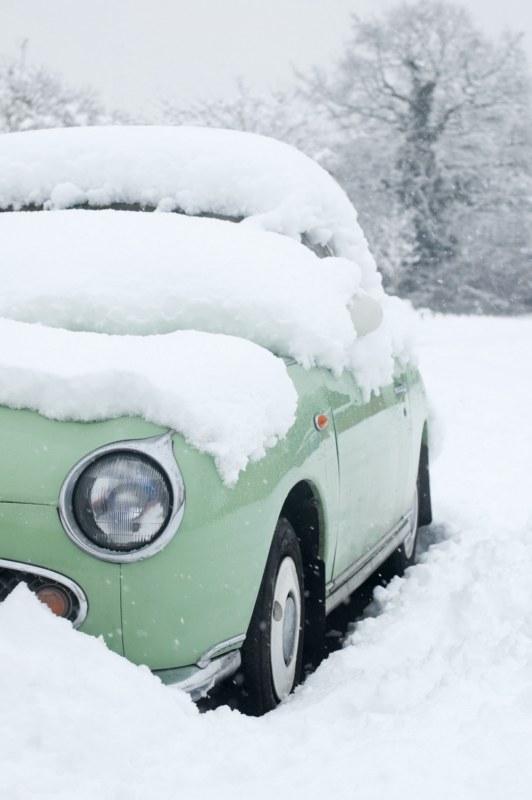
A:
[197,681]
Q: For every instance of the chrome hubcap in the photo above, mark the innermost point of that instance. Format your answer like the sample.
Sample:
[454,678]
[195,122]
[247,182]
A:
[285,621]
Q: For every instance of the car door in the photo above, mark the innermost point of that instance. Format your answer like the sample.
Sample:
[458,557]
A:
[374,453]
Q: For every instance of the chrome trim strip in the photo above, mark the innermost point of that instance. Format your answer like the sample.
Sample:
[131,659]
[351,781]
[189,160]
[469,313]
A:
[202,681]
[219,648]
[354,576]
[158,448]
[77,591]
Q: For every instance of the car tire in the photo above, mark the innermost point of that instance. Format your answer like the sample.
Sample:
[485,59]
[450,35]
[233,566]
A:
[405,555]
[272,651]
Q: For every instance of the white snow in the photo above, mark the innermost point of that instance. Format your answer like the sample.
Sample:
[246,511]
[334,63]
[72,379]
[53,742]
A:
[228,173]
[228,397]
[143,274]
[126,272]
[432,697]
[124,301]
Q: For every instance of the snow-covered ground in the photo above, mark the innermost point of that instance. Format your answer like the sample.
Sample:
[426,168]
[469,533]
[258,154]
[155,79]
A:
[432,698]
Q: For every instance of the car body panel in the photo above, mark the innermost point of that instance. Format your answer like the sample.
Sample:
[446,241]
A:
[42,451]
[374,440]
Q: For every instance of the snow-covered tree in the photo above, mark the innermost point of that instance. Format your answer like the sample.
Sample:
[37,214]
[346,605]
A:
[429,109]
[32,97]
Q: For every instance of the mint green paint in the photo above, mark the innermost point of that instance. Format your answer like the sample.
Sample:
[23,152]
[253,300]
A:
[40,451]
[376,464]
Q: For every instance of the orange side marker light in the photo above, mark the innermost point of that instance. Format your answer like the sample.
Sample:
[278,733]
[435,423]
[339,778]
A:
[321,421]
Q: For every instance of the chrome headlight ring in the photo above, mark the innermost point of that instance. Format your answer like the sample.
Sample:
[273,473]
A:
[157,453]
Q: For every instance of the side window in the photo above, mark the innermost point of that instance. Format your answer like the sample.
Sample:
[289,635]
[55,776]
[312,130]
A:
[321,250]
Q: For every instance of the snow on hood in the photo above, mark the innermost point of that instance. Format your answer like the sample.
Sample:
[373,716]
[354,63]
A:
[196,383]
[196,170]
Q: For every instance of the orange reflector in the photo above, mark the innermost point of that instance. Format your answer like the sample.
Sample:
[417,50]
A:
[56,600]
[321,421]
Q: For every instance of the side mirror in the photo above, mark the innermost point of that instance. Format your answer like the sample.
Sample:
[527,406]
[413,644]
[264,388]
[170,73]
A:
[366,313]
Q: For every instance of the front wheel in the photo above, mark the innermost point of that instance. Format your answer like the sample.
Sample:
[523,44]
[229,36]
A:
[272,651]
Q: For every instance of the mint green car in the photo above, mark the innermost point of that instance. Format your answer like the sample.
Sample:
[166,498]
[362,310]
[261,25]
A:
[127,531]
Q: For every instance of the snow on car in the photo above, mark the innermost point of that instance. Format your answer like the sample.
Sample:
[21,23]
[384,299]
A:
[217,429]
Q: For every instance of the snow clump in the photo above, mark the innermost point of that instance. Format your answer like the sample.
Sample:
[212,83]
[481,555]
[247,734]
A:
[193,382]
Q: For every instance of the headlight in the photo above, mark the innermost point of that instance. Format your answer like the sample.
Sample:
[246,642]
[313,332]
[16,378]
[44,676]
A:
[124,501]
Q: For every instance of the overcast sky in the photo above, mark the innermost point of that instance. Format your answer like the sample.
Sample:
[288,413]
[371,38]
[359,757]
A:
[139,51]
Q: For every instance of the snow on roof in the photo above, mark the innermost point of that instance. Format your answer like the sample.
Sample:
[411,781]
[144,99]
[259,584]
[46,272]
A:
[196,170]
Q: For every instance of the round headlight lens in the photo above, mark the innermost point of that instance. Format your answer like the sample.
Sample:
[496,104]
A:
[122,501]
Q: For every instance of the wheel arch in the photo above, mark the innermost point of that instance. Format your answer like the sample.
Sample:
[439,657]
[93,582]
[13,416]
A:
[303,509]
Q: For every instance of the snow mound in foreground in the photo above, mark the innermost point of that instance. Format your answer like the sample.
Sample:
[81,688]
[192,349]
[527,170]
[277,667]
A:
[196,383]
[433,697]
[71,706]
[196,170]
